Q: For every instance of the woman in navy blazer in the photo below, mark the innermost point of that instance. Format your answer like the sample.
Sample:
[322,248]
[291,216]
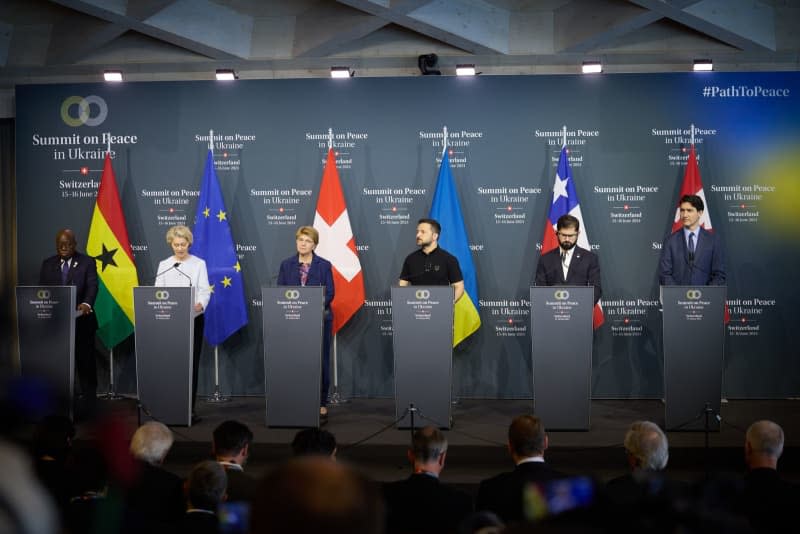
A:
[307,269]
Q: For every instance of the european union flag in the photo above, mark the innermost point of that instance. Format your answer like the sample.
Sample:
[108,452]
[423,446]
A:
[226,312]
[446,209]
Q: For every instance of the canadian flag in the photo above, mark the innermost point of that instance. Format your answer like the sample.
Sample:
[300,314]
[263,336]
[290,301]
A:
[338,246]
[692,185]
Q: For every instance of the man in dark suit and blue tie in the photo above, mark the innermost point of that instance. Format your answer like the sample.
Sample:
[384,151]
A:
[692,256]
[568,264]
[71,268]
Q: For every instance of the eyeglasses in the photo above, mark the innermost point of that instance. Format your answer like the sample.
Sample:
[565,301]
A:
[567,236]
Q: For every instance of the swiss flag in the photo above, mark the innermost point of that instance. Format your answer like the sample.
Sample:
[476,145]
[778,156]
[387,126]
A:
[338,246]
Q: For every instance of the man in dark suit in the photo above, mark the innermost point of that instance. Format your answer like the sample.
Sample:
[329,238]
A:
[692,256]
[205,491]
[71,268]
[503,494]
[770,502]
[231,447]
[569,264]
[421,503]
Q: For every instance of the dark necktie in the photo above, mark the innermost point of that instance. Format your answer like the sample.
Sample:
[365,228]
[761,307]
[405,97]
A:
[691,244]
[64,272]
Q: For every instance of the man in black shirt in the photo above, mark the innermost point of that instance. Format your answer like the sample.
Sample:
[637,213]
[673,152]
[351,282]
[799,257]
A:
[431,265]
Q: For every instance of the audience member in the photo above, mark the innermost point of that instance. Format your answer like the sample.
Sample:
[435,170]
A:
[421,503]
[314,442]
[313,494]
[231,447]
[503,494]
[769,501]
[647,450]
[156,496]
[205,490]
[25,506]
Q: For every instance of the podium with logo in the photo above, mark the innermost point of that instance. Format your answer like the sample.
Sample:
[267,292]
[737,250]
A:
[561,351]
[694,344]
[422,324]
[293,335]
[46,333]
[164,346]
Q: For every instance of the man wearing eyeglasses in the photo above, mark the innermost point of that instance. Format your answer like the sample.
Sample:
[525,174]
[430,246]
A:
[569,264]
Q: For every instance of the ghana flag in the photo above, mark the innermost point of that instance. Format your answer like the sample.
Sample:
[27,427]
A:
[108,244]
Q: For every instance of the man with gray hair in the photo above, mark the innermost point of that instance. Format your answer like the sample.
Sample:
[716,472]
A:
[769,500]
[421,503]
[156,494]
[647,450]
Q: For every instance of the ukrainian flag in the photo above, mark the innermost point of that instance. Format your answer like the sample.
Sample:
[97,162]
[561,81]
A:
[447,210]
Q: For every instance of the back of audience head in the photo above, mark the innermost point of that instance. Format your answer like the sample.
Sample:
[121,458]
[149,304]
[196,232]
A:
[313,494]
[428,446]
[647,446]
[205,485]
[763,444]
[151,442]
[527,437]
[231,440]
[314,442]
[25,506]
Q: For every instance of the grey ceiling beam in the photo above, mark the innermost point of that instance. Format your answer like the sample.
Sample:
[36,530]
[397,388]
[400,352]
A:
[745,24]
[471,25]
[322,32]
[580,26]
[200,26]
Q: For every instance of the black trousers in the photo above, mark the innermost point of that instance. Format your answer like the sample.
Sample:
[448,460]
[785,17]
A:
[199,323]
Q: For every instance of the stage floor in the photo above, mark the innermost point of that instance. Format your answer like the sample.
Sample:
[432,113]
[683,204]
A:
[477,439]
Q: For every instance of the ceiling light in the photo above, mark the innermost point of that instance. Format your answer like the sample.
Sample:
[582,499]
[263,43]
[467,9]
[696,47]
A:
[341,72]
[465,70]
[592,67]
[226,75]
[703,65]
[112,75]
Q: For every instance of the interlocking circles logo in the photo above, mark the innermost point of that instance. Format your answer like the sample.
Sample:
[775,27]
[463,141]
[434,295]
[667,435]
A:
[422,294]
[77,111]
[292,294]
[694,294]
[561,294]
[43,294]
[162,294]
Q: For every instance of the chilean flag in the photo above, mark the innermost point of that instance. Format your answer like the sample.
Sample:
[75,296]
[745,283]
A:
[338,246]
[692,185]
[565,201]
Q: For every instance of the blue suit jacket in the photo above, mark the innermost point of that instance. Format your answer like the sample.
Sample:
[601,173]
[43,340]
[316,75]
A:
[706,269]
[82,274]
[319,274]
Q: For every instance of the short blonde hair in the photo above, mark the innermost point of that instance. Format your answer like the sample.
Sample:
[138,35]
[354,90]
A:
[179,231]
[309,231]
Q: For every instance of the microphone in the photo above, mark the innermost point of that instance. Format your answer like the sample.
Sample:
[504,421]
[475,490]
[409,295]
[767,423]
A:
[183,273]
[165,271]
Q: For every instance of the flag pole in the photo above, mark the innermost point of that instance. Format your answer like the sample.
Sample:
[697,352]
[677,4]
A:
[692,129]
[334,398]
[112,389]
[564,135]
[216,396]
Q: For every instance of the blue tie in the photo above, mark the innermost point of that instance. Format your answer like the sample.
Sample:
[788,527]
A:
[691,244]
[64,272]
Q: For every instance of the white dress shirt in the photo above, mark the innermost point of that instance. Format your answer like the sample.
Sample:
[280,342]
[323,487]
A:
[192,269]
